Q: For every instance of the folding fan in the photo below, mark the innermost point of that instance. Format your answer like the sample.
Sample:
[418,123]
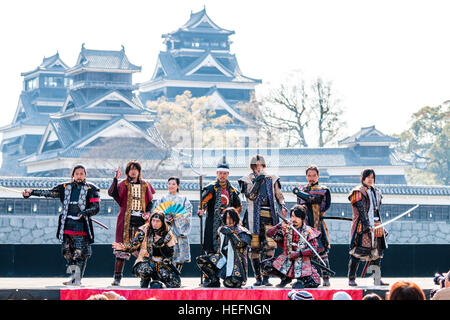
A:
[172,207]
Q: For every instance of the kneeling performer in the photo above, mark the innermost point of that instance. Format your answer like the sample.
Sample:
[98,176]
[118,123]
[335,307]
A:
[230,262]
[155,243]
[295,260]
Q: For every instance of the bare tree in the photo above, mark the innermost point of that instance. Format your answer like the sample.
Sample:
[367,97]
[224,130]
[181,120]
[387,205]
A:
[327,112]
[286,109]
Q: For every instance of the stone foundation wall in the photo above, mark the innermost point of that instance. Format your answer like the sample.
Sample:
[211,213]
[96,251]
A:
[41,229]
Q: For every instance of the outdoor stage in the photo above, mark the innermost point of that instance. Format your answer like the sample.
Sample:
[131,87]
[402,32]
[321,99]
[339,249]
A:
[52,289]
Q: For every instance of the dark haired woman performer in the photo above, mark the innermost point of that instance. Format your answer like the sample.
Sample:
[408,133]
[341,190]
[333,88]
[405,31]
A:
[180,224]
[134,196]
[155,243]
[366,244]
[295,260]
[230,262]
[80,201]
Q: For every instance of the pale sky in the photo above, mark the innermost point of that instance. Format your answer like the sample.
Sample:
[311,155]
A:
[386,59]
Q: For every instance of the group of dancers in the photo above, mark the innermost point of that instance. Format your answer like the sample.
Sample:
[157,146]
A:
[232,238]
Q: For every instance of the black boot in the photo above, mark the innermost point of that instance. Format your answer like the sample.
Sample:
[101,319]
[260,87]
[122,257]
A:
[145,282]
[298,285]
[256,264]
[258,281]
[266,282]
[352,269]
[118,271]
[284,282]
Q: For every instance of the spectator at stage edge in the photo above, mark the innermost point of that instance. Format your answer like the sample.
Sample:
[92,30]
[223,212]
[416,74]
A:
[372,296]
[342,295]
[109,295]
[300,295]
[405,290]
[444,293]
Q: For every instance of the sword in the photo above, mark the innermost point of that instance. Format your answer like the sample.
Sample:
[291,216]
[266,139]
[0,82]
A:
[396,218]
[336,218]
[321,265]
[93,220]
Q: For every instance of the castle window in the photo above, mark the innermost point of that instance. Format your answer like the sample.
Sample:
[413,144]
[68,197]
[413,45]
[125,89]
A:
[31,84]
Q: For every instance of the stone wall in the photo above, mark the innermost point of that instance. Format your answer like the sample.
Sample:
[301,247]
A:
[41,229]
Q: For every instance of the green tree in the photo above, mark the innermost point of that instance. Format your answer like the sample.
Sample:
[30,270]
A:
[425,143]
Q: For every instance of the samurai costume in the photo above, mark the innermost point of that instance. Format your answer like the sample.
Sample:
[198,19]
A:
[230,261]
[216,197]
[134,200]
[75,231]
[154,263]
[180,227]
[264,199]
[298,266]
[317,200]
[366,245]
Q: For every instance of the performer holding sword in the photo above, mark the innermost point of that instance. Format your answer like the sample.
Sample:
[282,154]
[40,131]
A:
[317,199]
[366,242]
[81,200]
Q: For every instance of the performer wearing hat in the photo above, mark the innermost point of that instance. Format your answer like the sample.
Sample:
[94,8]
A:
[366,244]
[80,200]
[230,261]
[317,199]
[295,260]
[180,224]
[216,197]
[264,201]
[134,196]
[154,242]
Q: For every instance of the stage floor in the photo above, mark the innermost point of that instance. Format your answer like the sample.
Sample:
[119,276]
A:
[193,283]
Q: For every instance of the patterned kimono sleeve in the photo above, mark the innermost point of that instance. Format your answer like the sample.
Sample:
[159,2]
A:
[183,222]
[136,243]
[278,194]
[207,195]
[276,233]
[55,192]
[306,252]
[357,202]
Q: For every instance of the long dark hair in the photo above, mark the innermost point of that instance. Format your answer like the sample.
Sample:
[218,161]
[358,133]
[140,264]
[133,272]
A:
[299,211]
[234,215]
[177,180]
[164,227]
[366,173]
[135,164]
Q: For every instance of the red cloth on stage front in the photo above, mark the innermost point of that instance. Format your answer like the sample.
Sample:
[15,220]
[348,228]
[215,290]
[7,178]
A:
[205,294]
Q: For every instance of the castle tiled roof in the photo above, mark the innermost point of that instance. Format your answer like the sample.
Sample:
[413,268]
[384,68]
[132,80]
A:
[192,185]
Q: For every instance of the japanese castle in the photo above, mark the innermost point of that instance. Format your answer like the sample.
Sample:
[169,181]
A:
[93,113]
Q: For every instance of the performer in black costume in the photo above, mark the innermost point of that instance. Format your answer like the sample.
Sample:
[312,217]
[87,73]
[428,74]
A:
[317,199]
[230,261]
[80,200]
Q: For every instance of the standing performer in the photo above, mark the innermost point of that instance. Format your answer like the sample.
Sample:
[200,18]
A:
[155,244]
[230,261]
[180,223]
[264,197]
[366,244]
[134,196]
[80,200]
[295,260]
[317,200]
[216,197]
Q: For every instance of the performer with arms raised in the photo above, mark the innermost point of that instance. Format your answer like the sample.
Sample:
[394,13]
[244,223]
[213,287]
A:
[81,201]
